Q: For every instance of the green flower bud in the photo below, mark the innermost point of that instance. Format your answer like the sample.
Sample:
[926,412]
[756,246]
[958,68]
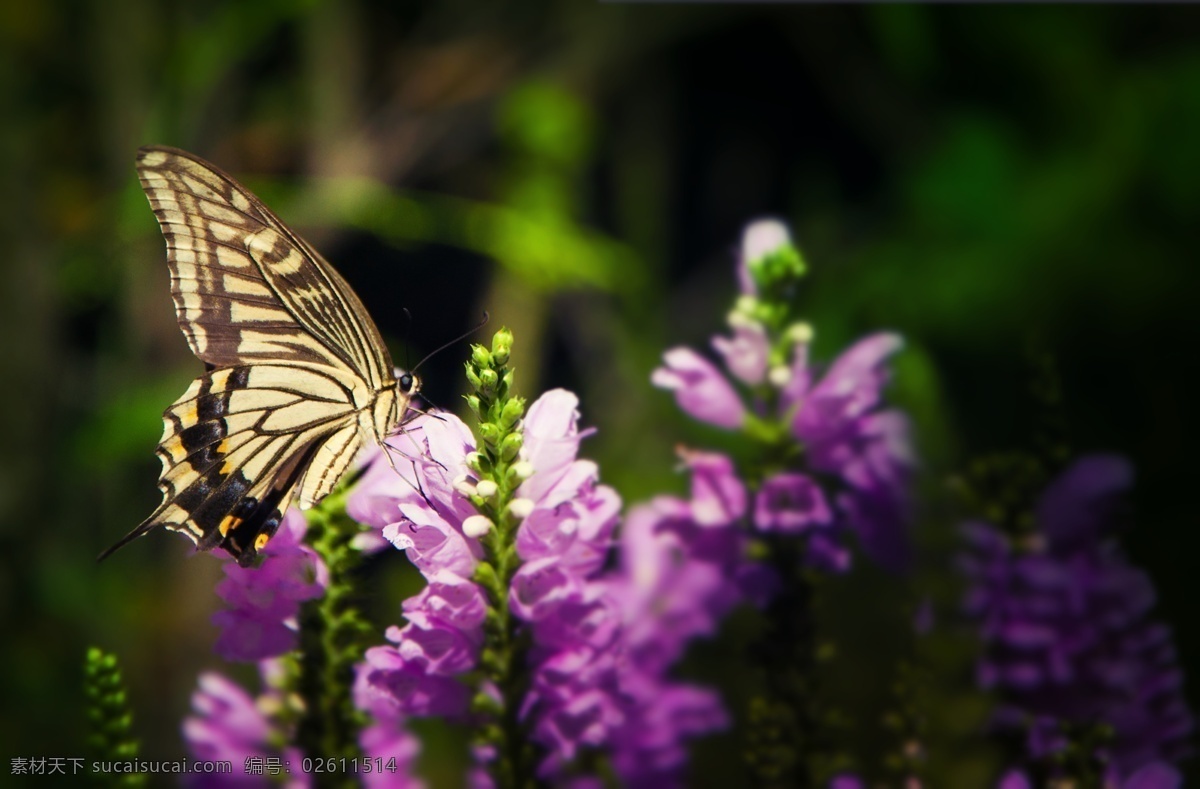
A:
[800,333]
[487,380]
[484,704]
[481,357]
[502,345]
[472,378]
[512,412]
[474,404]
[490,433]
[489,660]
[511,445]
[485,576]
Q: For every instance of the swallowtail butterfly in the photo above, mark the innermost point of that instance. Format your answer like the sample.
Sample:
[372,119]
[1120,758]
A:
[296,375]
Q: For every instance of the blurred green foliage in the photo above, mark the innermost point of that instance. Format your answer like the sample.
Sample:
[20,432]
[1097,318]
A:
[969,176]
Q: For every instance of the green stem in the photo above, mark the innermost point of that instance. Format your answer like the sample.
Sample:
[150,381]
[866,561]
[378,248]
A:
[504,655]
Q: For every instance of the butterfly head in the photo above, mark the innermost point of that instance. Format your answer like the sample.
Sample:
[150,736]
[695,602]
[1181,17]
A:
[407,385]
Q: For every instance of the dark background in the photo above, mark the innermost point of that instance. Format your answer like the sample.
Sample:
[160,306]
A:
[985,180]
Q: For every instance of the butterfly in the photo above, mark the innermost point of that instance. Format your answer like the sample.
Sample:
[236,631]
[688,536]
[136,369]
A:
[297,378]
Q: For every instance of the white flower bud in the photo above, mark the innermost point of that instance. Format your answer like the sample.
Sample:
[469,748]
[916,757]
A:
[476,526]
[779,376]
[486,488]
[745,304]
[464,485]
[523,469]
[800,333]
[738,319]
[520,508]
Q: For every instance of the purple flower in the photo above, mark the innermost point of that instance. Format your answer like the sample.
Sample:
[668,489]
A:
[669,596]
[790,503]
[718,495]
[387,743]
[837,419]
[700,389]
[650,750]
[385,739]
[563,542]
[598,668]
[412,685]
[683,568]
[847,781]
[1065,625]
[226,724]
[265,600]
[419,508]
[746,352]
[420,493]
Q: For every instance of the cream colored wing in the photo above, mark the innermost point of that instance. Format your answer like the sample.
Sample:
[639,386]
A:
[246,288]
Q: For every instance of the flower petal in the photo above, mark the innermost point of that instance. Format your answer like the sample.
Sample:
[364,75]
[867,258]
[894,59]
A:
[700,389]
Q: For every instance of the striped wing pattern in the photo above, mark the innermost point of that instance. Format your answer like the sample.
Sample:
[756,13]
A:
[297,372]
[246,288]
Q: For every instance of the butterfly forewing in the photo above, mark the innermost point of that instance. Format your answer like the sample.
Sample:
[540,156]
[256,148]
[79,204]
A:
[246,288]
[298,374]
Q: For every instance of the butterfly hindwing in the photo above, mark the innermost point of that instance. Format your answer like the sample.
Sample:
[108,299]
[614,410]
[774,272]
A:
[238,446]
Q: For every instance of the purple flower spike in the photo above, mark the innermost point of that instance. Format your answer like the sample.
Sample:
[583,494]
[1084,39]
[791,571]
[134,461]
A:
[1067,636]
[700,389]
[265,600]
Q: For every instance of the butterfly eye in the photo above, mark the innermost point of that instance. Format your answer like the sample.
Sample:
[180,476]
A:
[407,381]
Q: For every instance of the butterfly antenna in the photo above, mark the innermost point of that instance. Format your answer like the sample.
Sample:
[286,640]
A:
[459,338]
